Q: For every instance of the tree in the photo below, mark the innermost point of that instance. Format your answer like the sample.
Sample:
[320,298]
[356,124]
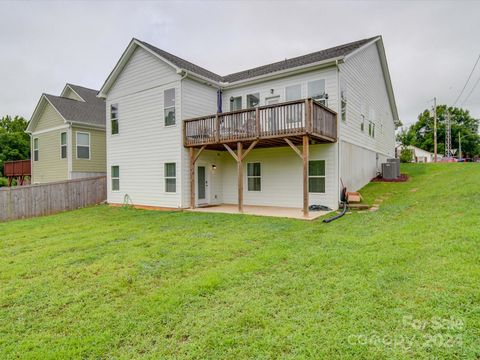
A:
[14,141]
[420,134]
[406,155]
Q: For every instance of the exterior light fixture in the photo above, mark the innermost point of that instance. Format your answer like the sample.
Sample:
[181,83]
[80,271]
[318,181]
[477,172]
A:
[214,167]
[272,91]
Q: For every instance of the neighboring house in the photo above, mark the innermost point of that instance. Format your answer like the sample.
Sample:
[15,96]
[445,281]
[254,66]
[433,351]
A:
[419,155]
[68,135]
[299,153]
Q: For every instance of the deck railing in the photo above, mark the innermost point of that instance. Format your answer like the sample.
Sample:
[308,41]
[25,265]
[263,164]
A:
[284,119]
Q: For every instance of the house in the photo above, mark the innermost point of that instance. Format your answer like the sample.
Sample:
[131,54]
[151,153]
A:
[286,134]
[419,155]
[68,135]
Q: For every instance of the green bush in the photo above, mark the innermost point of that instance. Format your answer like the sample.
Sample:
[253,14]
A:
[406,155]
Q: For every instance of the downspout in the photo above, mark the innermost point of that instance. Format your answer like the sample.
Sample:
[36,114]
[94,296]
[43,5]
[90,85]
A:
[338,128]
[183,77]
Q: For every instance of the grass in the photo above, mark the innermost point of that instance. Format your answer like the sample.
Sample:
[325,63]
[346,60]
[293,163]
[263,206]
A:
[402,282]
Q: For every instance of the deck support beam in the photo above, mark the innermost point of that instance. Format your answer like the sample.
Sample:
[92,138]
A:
[193,160]
[306,154]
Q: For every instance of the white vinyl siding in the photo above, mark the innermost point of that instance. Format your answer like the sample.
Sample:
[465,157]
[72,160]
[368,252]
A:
[144,142]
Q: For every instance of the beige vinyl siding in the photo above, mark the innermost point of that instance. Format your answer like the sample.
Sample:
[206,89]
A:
[98,155]
[50,118]
[50,166]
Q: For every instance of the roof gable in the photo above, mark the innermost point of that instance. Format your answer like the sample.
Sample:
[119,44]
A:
[181,65]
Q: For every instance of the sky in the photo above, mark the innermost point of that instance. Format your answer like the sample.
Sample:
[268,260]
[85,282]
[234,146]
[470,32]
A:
[431,46]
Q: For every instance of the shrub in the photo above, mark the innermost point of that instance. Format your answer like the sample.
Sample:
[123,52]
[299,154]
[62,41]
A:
[406,155]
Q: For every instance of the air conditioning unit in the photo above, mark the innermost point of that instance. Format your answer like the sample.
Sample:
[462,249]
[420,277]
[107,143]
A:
[389,171]
[396,163]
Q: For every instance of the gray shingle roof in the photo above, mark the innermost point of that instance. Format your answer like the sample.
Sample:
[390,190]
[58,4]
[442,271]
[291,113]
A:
[90,112]
[331,53]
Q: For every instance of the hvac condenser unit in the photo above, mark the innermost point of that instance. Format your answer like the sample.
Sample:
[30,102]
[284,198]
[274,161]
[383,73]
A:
[396,163]
[388,171]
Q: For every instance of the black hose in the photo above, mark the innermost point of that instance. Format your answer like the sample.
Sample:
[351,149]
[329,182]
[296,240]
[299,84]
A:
[345,207]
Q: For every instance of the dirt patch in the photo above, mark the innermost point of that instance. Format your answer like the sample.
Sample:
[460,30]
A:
[401,178]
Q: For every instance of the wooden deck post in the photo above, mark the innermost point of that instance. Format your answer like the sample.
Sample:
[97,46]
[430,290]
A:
[192,178]
[240,175]
[305,174]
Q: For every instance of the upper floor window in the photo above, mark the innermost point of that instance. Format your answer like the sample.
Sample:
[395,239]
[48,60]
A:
[362,114]
[169,106]
[170,177]
[35,149]
[253,100]
[83,145]
[63,145]
[293,92]
[254,179]
[316,90]
[114,118]
[235,103]
[343,99]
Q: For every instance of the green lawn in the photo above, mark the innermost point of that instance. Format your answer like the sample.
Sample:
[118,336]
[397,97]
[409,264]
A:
[402,282]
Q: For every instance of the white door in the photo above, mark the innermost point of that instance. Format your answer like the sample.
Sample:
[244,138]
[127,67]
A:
[202,185]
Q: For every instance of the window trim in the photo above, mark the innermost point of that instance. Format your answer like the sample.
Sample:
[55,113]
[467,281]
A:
[165,177]
[116,178]
[291,86]
[252,94]
[254,176]
[89,145]
[323,99]
[233,101]
[317,176]
[170,107]
[37,149]
[114,119]
[64,145]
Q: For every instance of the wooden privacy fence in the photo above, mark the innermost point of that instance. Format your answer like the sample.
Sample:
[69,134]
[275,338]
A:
[45,199]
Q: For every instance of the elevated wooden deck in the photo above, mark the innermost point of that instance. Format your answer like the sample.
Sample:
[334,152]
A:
[266,125]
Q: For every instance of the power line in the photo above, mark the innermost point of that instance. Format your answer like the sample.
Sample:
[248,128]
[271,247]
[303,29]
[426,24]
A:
[471,91]
[466,83]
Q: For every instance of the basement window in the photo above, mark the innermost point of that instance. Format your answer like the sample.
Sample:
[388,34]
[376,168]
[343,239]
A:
[83,145]
[170,177]
[169,107]
[254,180]
[115,178]
[316,176]
[63,145]
[35,149]
[114,118]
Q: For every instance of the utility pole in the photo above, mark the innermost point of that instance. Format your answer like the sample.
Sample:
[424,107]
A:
[435,128]
[448,136]
[459,147]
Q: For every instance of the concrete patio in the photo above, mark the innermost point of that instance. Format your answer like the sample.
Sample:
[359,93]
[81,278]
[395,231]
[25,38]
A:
[285,212]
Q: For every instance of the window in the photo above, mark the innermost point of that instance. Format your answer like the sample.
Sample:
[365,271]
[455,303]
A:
[343,99]
[35,149]
[63,145]
[254,180]
[371,129]
[253,100]
[293,92]
[115,178]
[362,114]
[316,176]
[235,103]
[114,118]
[169,107]
[83,145]
[316,91]
[170,177]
